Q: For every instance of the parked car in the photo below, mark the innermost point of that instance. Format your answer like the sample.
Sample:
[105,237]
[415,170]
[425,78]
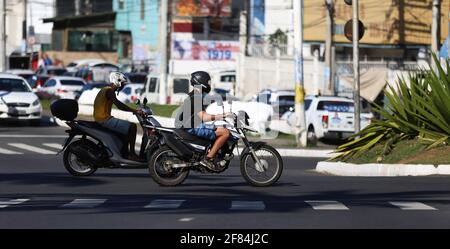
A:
[51,71]
[330,117]
[137,78]
[280,100]
[224,79]
[96,71]
[88,87]
[62,87]
[178,88]
[130,93]
[73,66]
[17,100]
[24,73]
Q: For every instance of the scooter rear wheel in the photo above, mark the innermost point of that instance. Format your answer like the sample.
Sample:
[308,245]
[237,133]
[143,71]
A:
[161,172]
[74,165]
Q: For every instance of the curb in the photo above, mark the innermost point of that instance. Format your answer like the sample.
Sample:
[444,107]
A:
[381,170]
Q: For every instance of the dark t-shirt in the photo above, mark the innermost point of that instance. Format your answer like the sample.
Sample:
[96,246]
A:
[187,116]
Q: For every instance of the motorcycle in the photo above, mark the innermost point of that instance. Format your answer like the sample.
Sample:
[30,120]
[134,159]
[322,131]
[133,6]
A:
[260,164]
[96,147]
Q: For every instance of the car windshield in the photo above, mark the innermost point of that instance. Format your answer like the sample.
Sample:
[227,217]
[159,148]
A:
[286,98]
[72,83]
[137,78]
[13,85]
[57,72]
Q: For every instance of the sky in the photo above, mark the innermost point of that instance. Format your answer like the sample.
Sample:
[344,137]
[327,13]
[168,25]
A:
[37,10]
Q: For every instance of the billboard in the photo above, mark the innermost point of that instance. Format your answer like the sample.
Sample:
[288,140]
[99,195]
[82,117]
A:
[204,50]
[203,8]
[386,22]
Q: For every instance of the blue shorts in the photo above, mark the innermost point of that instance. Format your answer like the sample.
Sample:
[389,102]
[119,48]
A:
[118,125]
[203,132]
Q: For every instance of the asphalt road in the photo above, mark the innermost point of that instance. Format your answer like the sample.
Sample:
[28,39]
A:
[37,192]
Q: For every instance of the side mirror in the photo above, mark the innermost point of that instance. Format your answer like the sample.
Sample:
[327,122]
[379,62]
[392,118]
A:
[145,101]
[138,102]
[291,109]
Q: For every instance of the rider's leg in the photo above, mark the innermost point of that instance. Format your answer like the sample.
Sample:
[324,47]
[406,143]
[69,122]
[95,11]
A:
[132,135]
[222,135]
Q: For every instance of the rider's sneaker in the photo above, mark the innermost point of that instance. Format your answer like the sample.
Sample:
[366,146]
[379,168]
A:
[208,164]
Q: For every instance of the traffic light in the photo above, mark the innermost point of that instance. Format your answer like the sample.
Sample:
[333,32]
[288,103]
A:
[348,28]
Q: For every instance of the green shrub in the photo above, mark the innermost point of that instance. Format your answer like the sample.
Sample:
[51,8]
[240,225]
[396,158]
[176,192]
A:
[420,109]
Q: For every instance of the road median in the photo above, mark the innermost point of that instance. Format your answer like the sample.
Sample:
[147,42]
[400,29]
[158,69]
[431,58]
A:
[381,170]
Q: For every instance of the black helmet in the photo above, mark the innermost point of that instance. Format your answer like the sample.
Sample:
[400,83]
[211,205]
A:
[201,78]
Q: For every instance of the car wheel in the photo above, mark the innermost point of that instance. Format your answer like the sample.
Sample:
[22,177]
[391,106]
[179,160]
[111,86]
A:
[311,135]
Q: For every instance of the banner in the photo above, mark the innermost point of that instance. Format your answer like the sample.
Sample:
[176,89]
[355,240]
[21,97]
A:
[204,50]
[203,8]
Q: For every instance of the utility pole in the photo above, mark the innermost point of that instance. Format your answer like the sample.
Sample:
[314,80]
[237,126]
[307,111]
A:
[163,64]
[435,30]
[329,44]
[24,28]
[3,35]
[299,84]
[356,83]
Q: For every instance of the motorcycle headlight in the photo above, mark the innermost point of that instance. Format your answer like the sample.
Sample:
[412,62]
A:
[36,102]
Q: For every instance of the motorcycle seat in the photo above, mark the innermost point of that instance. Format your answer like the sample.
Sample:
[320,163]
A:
[182,133]
[97,126]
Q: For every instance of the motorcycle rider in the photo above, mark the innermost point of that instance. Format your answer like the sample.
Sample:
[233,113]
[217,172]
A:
[102,111]
[193,115]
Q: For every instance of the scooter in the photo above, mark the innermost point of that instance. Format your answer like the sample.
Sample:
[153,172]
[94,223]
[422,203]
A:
[91,146]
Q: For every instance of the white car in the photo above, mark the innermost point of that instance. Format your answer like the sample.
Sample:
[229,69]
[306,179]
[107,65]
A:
[62,87]
[17,100]
[74,65]
[130,93]
[329,117]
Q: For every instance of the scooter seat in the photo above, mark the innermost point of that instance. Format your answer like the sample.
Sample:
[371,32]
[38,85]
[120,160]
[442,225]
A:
[182,133]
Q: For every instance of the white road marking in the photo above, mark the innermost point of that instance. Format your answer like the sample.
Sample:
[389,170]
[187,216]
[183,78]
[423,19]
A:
[165,204]
[84,203]
[4,204]
[411,205]
[9,152]
[327,205]
[32,148]
[53,145]
[247,205]
[186,219]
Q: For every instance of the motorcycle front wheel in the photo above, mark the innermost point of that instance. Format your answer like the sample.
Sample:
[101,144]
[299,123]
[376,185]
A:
[271,162]
[161,171]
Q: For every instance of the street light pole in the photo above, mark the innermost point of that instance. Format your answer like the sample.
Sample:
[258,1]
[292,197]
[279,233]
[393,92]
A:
[299,84]
[356,83]
[163,64]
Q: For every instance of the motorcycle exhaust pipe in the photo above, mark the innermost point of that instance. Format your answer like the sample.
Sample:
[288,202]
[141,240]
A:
[183,165]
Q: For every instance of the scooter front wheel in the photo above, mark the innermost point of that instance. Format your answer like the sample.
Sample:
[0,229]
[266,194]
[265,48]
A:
[74,165]
[161,171]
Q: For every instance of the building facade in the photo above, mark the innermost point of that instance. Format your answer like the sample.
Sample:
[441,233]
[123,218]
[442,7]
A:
[84,30]
[138,22]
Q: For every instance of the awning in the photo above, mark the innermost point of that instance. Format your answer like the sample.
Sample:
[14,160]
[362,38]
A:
[372,82]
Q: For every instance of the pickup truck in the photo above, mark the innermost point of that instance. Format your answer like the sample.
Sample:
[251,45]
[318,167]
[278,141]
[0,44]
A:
[328,117]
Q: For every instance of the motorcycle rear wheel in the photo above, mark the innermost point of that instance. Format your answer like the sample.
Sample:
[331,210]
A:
[73,164]
[163,175]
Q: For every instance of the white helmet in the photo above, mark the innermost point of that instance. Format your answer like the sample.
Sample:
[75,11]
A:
[118,79]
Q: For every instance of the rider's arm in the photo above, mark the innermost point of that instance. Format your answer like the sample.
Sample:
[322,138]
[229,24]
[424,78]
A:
[205,117]
[111,95]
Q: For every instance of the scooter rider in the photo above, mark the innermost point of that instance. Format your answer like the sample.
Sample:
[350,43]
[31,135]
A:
[102,111]
[193,115]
